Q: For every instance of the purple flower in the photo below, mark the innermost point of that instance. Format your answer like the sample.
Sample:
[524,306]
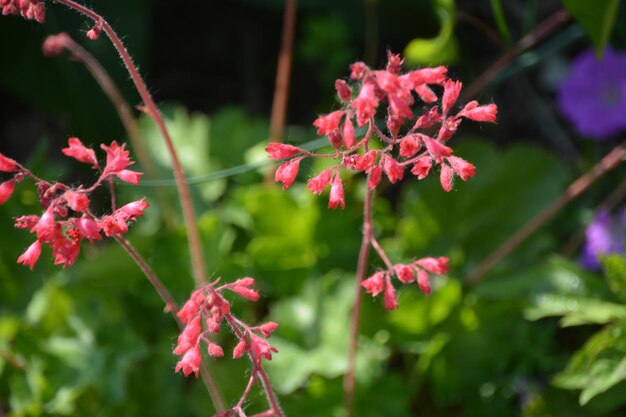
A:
[604,236]
[593,95]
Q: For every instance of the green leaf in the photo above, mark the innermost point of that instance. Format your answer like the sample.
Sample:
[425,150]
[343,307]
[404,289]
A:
[576,311]
[598,366]
[615,270]
[597,17]
[498,13]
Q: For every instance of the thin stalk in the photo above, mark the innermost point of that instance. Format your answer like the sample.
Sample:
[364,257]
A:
[609,162]
[349,381]
[172,308]
[153,111]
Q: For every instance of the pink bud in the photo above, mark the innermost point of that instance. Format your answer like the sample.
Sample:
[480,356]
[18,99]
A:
[132,210]
[77,201]
[189,336]
[282,151]
[240,349]
[335,139]
[366,162]
[428,119]
[358,70]
[215,350]
[7,164]
[365,103]
[394,62]
[244,282]
[409,146]
[317,184]
[391,301]
[343,90]
[486,113]
[387,81]
[336,197]
[435,265]
[429,75]
[88,228]
[267,328]
[394,171]
[287,172]
[422,281]
[46,227]
[132,177]
[375,177]
[404,273]
[451,91]
[31,255]
[6,190]
[329,122]
[427,95]
[393,125]
[446,177]
[260,348]
[462,167]
[78,151]
[188,311]
[245,292]
[348,133]
[54,45]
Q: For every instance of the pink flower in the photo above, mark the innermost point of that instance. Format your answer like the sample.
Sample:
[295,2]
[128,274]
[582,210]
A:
[336,197]
[65,249]
[190,362]
[80,152]
[189,310]
[374,284]
[348,133]
[434,265]
[343,90]
[266,329]
[427,95]
[8,164]
[400,106]
[422,166]
[6,190]
[358,70]
[391,301]
[132,210]
[215,350]
[447,129]
[446,177]
[375,177]
[117,158]
[31,255]
[387,81]
[462,167]
[240,349]
[366,103]
[409,146]
[317,184]
[287,172]
[282,151]
[248,293]
[393,126]
[422,281]
[189,336]
[437,150]
[260,348]
[88,228]
[46,227]
[77,201]
[328,123]
[394,171]
[404,273]
[366,162]
[132,177]
[472,111]
[435,75]
[451,91]
[428,119]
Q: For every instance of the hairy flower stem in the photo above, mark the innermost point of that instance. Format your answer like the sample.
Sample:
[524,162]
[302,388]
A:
[153,111]
[171,307]
[349,380]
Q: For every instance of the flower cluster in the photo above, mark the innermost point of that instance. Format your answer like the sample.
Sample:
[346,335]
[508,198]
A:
[67,219]
[418,270]
[418,144]
[203,315]
[29,9]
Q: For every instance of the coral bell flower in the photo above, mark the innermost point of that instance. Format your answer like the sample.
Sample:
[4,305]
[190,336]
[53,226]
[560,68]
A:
[336,194]
[287,172]
[8,164]
[190,361]
[6,190]
[80,152]
[282,151]
[328,123]
[31,255]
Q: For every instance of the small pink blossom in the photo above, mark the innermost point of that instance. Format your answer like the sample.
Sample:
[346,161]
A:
[437,150]
[282,151]
[428,119]
[287,172]
[409,146]
[435,265]
[189,310]
[80,152]
[7,164]
[393,170]
[389,297]
[46,227]
[387,81]
[375,284]
[487,113]
[215,350]
[336,197]
[393,126]
[260,348]
[132,210]
[31,255]
[446,177]
[365,103]
[77,201]
[189,336]
[132,177]
[375,177]
[266,329]
[88,228]
[347,132]
[366,162]
[117,158]
[318,183]
[463,168]
[343,90]
[422,281]
[427,95]
[404,273]
[248,293]
[435,75]
[6,190]
[358,70]
[329,122]
[451,92]
[240,349]
[190,362]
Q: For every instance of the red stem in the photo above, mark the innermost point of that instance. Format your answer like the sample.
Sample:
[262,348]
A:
[153,111]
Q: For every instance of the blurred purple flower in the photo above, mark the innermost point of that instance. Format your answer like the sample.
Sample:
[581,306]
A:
[605,235]
[593,95]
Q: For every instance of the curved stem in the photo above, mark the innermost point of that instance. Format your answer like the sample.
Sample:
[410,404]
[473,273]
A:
[381,253]
[153,111]
[349,381]
[171,307]
[609,162]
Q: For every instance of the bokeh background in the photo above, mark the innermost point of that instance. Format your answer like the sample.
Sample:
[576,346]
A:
[542,334]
